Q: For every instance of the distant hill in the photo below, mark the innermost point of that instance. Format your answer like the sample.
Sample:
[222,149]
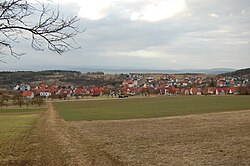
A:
[238,73]
[209,71]
[138,70]
[16,77]
[56,77]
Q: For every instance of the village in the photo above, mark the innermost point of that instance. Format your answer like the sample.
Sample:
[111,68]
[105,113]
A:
[124,82]
[136,84]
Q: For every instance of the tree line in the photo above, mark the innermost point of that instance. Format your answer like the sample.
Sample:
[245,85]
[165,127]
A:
[6,101]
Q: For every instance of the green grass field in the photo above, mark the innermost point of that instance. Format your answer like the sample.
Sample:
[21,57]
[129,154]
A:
[13,125]
[37,110]
[14,131]
[134,108]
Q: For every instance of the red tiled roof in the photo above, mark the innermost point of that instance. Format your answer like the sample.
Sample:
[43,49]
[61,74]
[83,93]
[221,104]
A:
[222,89]
[233,90]
[79,90]
[128,81]
[27,93]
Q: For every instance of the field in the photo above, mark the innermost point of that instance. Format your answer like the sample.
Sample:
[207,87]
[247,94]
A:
[14,134]
[213,131]
[204,130]
[202,139]
[21,111]
[149,107]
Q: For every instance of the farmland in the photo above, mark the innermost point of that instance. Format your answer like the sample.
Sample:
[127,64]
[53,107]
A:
[203,139]
[21,111]
[135,108]
[214,130]
[204,130]
[15,129]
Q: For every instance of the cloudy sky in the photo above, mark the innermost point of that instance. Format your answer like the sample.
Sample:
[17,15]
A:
[151,34]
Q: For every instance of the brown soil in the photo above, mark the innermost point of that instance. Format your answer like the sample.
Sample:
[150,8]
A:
[207,139]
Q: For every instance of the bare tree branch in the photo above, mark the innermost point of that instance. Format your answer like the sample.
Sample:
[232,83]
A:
[58,32]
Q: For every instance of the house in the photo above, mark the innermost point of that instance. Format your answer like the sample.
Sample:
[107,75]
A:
[150,79]
[28,94]
[220,91]
[196,91]
[193,91]
[232,90]
[97,91]
[221,83]
[65,91]
[177,91]
[211,90]
[161,90]
[45,94]
[44,86]
[198,81]
[128,91]
[185,91]
[172,91]
[177,84]
[79,91]
[22,87]
[17,87]
[199,92]
[184,84]
[130,83]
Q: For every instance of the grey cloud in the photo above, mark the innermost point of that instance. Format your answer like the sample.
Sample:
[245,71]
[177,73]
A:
[189,40]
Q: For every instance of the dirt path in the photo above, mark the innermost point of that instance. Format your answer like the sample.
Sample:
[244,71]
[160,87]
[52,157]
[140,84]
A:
[55,142]
[206,139]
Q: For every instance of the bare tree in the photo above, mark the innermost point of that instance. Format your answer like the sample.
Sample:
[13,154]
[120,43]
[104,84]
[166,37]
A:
[49,29]
[18,100]
[38,100]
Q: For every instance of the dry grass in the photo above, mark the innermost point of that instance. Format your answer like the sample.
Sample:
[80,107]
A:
[14,137]
[208,139]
